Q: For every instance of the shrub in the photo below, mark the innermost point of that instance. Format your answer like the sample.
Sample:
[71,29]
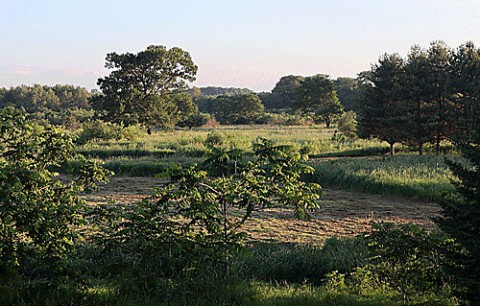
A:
[100,130]
[408,258]
[39,214]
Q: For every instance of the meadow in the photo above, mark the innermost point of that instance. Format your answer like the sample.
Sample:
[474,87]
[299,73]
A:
[360,165]
[322,261]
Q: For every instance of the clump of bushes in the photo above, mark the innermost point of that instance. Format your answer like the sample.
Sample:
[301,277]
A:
[100,130]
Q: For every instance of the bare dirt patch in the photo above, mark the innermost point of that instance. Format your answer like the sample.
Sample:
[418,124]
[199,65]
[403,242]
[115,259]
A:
[342,213]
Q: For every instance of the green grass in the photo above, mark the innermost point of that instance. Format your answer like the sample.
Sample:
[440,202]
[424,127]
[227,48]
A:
[425,177]
[362,165]
[272,274]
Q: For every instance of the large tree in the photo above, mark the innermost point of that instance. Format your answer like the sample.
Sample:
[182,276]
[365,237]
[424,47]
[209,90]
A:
[285,93]
[316,95]
[416,94]
[461,214]
[381,113]
[440,58]
[147,88]
[348,93]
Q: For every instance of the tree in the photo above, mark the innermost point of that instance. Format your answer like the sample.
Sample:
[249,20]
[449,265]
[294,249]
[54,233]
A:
[285,93]
[242,109]
[347,125]
[199,212]
[146,88]
[33,99]
[416,93]
[465,89]
[440,81]
[347,92]
[39,214]
[381,114]
[461,213]
[316,95]
[213,91]
[194,120]
[72,97]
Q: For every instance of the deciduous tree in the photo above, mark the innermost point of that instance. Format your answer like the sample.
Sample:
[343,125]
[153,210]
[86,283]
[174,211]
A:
[148,88]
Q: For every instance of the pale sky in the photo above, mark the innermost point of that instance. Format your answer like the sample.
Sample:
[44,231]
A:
[235,43]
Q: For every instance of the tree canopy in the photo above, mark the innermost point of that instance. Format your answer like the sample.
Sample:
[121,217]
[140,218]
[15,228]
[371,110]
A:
[316,94]
[147,88]
[423,99]
[240,109]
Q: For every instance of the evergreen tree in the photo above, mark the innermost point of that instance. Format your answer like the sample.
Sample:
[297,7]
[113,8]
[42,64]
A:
[380,114]
[439,58]
[461,215]
[416,94]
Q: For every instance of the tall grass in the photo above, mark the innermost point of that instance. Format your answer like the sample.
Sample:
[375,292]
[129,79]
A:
[272,274]
[425,177]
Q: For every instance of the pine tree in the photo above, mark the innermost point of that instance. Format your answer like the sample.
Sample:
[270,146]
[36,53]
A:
[461,215]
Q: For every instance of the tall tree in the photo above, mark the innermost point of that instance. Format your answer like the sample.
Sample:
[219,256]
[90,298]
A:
[317,95]
[145,87]
[416,93]
[465,88]
[285,93]
[347,92]
[461,216]
[440,79]
[381,113]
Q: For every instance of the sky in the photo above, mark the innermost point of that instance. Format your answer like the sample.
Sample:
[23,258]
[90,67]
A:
[235,43]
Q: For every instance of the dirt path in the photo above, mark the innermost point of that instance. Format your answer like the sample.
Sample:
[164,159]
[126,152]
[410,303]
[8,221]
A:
[342,213]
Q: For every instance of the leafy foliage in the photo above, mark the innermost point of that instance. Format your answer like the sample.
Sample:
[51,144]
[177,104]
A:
[147,88]
[316,95]
[197,215]
[240,109]
[39,214]
[408,258]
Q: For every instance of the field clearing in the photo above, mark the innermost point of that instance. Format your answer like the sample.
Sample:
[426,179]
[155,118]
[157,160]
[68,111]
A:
[342,213]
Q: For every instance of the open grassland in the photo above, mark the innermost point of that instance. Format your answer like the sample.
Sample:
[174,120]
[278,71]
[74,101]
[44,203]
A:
[360,165]
[185,144]
[287,261]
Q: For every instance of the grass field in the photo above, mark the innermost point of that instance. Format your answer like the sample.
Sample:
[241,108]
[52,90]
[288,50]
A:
[362,165]
[289,259]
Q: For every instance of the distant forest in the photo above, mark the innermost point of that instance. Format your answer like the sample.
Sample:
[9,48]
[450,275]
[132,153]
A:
[65,103]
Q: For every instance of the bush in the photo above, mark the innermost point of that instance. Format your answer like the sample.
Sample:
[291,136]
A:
[408,258]
[194,120]
[99,130]
[39,214]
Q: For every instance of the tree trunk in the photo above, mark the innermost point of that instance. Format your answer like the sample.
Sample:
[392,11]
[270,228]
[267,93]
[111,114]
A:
[420,149]
[437,146]
[149,130]
[327,123]
[392,148]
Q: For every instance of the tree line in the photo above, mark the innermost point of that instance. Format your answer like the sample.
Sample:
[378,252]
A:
[38,98]
[425,98]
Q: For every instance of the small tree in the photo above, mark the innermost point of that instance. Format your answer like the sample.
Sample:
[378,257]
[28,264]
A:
[407,257]
[199,213]
[347,125]
[39,214]
[194,120]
